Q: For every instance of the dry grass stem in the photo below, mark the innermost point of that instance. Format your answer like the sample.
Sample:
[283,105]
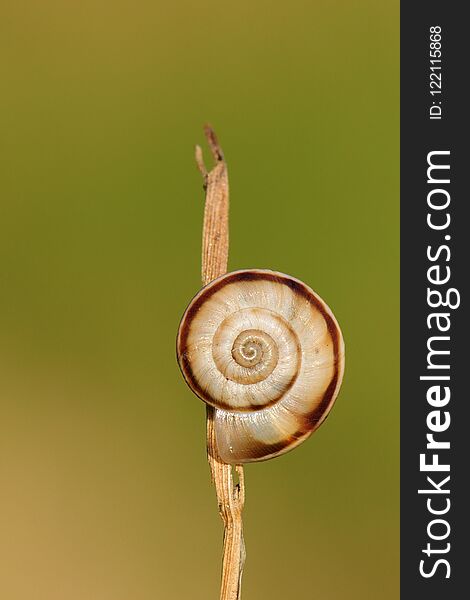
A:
[230,496]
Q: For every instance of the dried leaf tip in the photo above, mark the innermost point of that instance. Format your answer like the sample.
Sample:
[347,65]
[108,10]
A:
[213,142]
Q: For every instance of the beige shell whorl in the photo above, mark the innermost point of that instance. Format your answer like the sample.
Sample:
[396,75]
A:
[268,354]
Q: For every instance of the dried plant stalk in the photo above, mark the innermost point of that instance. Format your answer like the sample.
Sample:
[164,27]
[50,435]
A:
[230,496]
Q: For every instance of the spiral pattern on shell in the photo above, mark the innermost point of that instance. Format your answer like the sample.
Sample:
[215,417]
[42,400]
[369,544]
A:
[268,354]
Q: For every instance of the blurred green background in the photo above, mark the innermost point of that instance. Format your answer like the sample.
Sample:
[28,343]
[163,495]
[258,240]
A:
[104,486]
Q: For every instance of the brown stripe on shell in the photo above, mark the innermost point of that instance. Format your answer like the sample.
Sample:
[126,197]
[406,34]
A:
[311,421]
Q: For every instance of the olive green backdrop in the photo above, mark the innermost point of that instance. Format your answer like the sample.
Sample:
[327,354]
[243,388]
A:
[104,486]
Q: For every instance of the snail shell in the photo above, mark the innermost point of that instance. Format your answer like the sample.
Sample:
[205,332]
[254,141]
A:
[265,351]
